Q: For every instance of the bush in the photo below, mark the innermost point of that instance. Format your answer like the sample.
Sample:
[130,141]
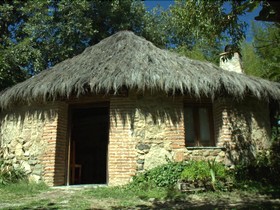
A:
[196,171]
[265,168]
[209,175]
[166,175]
[9,174]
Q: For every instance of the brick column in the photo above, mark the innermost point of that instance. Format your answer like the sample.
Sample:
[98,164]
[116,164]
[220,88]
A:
[55,134]
[175,131]
[48,159]
[221,123]
[61,166]
[121,149]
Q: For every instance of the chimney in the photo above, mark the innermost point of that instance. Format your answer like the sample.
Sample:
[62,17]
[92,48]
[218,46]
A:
[230,59]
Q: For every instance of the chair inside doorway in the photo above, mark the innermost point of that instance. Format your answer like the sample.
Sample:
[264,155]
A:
[75,169]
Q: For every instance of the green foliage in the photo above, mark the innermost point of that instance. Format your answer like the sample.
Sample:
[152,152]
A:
[261,58]
[207,174]
[168,175]
[275,133]
[267,45]
[265,168]
[194,53]
[205,25]
[38,34]
[252,64]
[196,170]
[9,174]
[201,170]
[35,35]
[165,175]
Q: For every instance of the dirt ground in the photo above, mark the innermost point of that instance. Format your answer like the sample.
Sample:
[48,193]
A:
[233,200]
[75,198]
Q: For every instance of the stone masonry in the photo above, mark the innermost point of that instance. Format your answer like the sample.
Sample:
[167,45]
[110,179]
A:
[146,130]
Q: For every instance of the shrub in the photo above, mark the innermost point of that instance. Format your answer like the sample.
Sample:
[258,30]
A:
[169,174]
[9,174]
[265,167]
[196,171]
[166,175]
[210,175]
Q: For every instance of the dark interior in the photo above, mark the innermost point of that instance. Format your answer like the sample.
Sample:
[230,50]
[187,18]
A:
[89,140]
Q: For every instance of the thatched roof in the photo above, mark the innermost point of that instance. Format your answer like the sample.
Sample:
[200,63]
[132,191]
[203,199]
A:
[125,59]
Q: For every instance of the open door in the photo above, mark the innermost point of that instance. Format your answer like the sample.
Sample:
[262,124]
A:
[89,145]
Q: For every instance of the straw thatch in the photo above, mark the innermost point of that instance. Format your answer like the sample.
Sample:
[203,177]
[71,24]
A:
[125,59]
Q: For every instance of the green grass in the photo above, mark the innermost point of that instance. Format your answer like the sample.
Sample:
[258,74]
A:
[32,196]
[125,196]
[128,193]
[21,192]
[21,189]
[41,204]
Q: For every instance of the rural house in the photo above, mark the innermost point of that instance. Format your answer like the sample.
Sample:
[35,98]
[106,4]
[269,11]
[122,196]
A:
[124,106]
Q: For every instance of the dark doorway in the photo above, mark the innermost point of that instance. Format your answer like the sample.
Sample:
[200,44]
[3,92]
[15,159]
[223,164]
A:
[89,145]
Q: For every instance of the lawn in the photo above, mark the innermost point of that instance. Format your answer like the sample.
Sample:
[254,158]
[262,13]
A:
[24,196]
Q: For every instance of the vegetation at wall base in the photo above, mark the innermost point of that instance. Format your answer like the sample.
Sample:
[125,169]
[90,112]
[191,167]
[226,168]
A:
[265,168]
[209,175]
[10,174]
[165,175]
[194,174]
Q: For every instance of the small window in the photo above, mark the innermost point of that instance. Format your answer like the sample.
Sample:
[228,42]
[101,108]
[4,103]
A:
[198,125]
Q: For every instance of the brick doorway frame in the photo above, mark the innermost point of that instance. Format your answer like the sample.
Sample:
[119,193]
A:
[78,168]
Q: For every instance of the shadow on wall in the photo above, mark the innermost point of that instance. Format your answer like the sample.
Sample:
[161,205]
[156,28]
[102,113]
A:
[154,110]
[23,137]
[250,130]
[42,112]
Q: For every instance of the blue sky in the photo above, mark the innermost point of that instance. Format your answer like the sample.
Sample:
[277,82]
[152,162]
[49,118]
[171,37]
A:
[249,17]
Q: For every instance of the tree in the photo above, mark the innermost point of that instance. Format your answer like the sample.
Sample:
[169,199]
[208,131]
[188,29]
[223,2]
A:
[252,64]
[270,11]
[262,57]
[267,44]
[11,65]
[38,34]
[204,25]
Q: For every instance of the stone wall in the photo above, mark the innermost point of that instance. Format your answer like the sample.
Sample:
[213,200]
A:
[22,140]
[158,130]
[249,125]
[148,130]
[145,131]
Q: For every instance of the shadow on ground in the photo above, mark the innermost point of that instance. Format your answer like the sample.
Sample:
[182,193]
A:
[206,206]
[268,200]
[161,205]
